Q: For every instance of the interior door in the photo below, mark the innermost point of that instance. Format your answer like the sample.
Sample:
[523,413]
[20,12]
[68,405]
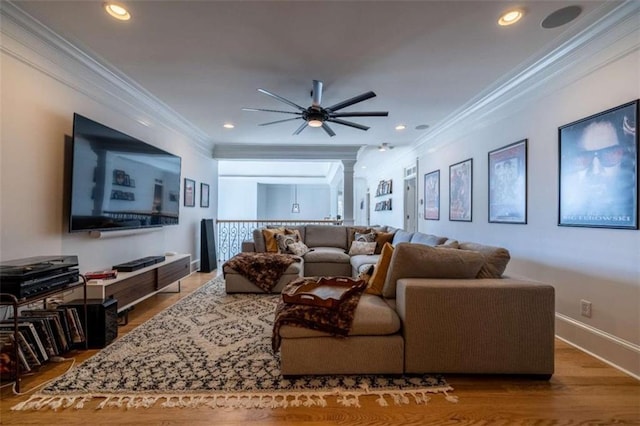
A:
[410,210]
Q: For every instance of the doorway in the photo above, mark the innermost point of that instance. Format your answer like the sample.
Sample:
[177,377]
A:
[410,210]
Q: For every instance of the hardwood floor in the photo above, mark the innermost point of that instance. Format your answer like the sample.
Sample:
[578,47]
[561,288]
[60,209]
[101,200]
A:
[583,391]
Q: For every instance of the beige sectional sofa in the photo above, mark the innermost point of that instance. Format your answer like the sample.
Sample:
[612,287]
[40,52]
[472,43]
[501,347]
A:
[445,308]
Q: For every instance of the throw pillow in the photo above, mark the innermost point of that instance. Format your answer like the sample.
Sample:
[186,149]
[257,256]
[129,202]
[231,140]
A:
[298,248]
[369,237]
[269,235]
[376,282]
[362,247]
[284,240]
[351,233]
[381,239]
[366,274]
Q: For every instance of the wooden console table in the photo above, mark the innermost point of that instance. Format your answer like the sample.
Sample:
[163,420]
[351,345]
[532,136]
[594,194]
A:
[131,288]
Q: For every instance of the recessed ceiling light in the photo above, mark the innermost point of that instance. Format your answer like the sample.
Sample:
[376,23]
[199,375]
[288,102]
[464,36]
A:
[117,10]
[401,127]
[384,146]
[228,126]
[510,17]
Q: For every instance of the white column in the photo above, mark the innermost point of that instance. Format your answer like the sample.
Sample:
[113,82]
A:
[347,192]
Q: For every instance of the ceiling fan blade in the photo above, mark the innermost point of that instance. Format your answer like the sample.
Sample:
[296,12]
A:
[348,123]
[327,129]
[281,99]
[316,93]
[271,110]
[361,114]
[351,101]
[280,121]
[301,128]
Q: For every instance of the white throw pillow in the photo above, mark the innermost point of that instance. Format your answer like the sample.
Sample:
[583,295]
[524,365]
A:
[361,247]
[298,248]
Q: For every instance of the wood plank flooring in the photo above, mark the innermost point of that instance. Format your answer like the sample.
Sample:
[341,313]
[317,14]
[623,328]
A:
[583,391]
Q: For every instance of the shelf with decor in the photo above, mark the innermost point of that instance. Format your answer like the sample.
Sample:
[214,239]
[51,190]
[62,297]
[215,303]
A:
[385,187]
[26,353]
[383,205]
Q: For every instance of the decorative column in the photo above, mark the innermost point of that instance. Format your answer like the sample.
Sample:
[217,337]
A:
[347,192]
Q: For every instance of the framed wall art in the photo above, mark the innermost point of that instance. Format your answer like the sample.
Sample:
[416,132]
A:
[432,195]
[204,195]
[508,184]
[189,192]
[460,190]
[598,170]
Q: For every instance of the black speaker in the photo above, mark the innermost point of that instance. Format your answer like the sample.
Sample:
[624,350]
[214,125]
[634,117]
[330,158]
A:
[208,260]
[102,319]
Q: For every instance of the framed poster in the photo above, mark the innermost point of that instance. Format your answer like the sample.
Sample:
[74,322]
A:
[432,195]
[204,195]
[508,184]
[598,170]
[460,187]
[189,192]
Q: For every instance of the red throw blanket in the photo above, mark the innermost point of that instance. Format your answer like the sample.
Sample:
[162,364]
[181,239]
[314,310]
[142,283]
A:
[262,269]
[337,321]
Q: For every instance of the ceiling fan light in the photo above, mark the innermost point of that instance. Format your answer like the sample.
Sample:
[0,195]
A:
[315,123]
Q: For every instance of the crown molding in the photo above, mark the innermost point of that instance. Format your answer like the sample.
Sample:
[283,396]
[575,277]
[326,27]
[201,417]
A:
[285,152]
[37,46]
[612,26]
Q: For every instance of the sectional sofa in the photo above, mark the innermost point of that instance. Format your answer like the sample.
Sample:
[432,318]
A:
[444,307]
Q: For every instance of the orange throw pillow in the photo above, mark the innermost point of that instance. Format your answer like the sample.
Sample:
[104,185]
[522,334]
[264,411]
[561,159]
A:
[376,282]
[270,242]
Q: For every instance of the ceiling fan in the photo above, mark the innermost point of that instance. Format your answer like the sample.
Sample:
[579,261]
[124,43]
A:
[317,116]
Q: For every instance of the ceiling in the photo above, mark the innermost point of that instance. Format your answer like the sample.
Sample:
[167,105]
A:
[206,59]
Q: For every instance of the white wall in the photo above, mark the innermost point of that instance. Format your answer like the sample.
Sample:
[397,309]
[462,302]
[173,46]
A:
[237,199]
[37,117]
[599,265]
[275,201]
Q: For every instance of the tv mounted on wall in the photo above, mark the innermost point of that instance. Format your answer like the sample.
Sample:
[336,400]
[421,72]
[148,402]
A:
[119,182]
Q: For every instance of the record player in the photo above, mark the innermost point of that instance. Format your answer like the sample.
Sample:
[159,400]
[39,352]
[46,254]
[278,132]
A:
[34,275]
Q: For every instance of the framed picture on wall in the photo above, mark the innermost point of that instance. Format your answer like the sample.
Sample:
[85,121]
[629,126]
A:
[189,192]
[460,187]
[508,184]
[432,195]
[204,195]
[598,170]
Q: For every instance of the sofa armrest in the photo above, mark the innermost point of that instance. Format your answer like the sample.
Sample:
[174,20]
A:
[248,246]
[494,326]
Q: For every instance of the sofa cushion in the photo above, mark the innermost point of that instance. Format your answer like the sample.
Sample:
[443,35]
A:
[362,247]
[380,271]
[270,242]
[427,239]
[258,240]
[496,259]
[326,236]
[326,255]
[420,261]
[381,239]
[373,317]
[401,236]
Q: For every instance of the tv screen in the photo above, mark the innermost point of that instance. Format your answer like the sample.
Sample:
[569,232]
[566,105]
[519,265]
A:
[119,182]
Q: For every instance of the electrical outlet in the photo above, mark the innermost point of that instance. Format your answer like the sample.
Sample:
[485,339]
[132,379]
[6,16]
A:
[585,308]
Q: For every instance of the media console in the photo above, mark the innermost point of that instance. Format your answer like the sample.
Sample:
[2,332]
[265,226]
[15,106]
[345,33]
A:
[130,288]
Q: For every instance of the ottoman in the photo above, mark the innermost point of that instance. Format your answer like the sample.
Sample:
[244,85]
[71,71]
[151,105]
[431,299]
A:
[237,283]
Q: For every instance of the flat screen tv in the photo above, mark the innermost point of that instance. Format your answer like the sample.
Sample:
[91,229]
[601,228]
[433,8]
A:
[119,182]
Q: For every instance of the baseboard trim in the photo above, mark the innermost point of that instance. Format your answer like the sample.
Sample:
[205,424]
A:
[612,350]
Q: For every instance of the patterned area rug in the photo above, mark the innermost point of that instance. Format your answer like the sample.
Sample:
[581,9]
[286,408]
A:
[213,349]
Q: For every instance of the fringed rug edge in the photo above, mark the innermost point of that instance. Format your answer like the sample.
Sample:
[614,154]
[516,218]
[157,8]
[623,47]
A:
[311,398]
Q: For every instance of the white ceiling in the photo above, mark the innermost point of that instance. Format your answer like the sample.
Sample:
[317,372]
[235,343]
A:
[206,59]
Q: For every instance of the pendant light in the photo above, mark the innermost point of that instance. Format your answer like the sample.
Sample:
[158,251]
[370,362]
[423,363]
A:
[295,208]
